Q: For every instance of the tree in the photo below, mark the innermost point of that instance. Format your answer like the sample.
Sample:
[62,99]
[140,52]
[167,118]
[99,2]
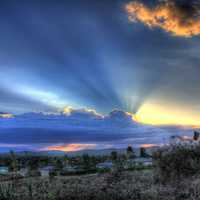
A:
[196,135]
[143,152]
[13,164]
[87,162]
[177,161]
[130,153]
[66,159]
[117,161]
[33,165]
[59,165]
[114,155]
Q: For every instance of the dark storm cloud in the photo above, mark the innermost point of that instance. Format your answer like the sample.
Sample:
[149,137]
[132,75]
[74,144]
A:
[35,131]
[34,136]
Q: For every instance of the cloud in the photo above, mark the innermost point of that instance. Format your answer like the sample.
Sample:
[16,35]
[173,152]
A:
[66,113]
[73,118]
[70,147]
[81,113]
[120,118]
[79,129]
[180,18]
[6,115]
[149,145]
[12,145]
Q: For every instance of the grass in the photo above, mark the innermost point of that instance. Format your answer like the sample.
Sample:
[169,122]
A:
[175,175]
[127,185]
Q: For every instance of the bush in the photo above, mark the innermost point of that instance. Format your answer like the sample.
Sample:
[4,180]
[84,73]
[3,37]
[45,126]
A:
[33,173]
[177,161]
[7,191]
[103,170]
[53,173]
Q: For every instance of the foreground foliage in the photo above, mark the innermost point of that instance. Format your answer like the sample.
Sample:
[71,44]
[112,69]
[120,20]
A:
[110,186]
[175,176]
[177,161]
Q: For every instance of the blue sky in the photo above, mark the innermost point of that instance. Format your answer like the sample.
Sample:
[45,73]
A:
[88,54]
[102,55]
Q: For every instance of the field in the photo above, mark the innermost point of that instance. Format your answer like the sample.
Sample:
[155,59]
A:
[133,185]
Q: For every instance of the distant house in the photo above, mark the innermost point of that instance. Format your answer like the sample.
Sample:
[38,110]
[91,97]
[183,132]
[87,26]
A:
[129,163]
[3,170]
[137,161]
[23,172]
[105,165]
[70,168]
[143,161]
[45,170]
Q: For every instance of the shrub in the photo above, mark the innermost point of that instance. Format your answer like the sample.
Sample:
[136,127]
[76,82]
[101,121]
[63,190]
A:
[177,161]
[33,173]
[7,192]
[53,173]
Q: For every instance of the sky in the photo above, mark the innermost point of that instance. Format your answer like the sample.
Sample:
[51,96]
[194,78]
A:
[101,55]
[139,56]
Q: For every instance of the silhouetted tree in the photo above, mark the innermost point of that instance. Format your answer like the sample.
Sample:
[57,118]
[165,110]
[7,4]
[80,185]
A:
[33,163]
[113,155]
[13,164]
[130,153]
[143,152]
[196,135]
[59,165]
[87,162]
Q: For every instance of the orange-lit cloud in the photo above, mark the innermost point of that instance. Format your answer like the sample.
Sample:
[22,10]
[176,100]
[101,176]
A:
[179,20]
[149,145]
[70,147]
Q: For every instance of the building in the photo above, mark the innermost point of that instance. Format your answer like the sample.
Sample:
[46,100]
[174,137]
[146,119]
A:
[46,170]
[3,170]
[105,165]
[143,161]
[23,172]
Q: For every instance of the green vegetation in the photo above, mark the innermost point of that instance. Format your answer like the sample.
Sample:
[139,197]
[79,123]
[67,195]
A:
[143,152]
[13,162]
[130,152]
[178,161]
[174,175]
